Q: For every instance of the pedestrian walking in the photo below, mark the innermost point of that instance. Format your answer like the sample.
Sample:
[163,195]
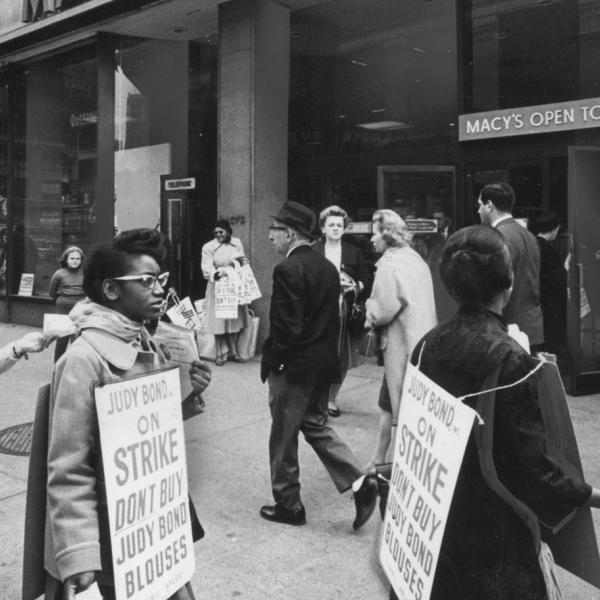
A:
[125,287]
[510,485]
[300,362]
[401,309]
[218,257]
[495,205]
[355,282]
[66,289]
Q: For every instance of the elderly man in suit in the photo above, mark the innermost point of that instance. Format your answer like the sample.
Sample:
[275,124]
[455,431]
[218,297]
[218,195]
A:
[495,205]
[300,361]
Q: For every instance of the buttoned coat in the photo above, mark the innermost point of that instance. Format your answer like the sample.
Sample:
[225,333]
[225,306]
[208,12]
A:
[304,322]
[523,307]
[402,309]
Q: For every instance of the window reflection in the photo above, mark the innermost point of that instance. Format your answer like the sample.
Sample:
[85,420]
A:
[54,178]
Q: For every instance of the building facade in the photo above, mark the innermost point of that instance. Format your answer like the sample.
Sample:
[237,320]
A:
[171,113]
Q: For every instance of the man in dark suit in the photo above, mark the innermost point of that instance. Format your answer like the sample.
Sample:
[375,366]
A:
[300,361]
[495,205]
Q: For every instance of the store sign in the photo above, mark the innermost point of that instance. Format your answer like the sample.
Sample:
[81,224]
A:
[422,225]
[180,184]
[360,227]
[546,118]
[34,10]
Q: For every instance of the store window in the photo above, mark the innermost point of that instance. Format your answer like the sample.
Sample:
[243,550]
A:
[371,86]
[151,120]
[4,174]
[54,166]
[530,53]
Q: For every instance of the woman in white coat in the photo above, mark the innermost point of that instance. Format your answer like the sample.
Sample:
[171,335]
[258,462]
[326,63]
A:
[401,309]
[218,257]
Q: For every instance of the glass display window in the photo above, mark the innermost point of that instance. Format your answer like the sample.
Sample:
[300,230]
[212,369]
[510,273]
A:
[529,53]
[54,166]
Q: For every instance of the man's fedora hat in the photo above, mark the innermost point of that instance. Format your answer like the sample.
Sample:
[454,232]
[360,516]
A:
[298,217]
[547,221]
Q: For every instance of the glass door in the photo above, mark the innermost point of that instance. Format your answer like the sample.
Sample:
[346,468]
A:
[583,322]
[424,196]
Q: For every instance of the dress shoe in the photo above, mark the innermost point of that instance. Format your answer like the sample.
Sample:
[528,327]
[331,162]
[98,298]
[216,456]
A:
[333,410]
[280,514]
[365,499]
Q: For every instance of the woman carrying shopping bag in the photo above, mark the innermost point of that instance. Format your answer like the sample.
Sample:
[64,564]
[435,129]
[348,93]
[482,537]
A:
[218,258]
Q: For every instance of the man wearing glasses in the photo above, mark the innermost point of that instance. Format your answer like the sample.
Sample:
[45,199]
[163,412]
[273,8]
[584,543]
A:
[300,362]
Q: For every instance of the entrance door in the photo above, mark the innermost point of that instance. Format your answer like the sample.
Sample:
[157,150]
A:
[583,322]
[424,196]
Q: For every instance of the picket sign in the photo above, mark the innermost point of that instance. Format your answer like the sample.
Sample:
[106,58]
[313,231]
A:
[250,289]
[144,459]
[433,430]
[226,298]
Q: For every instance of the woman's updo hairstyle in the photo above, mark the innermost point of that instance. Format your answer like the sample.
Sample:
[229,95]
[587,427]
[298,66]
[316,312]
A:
[476,265]
[333,211]
[394,231]
[114,260]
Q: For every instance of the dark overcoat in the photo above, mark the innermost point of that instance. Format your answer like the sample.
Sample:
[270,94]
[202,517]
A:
[523,307]
[304,324]
[553,296]
[488,553]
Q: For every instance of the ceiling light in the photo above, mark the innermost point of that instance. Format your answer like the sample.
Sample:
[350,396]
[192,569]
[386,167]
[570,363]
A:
[419,50]
[384,125]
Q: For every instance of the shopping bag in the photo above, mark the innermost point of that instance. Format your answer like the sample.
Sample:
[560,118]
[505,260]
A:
[184,314]
[250,289]
[247,337]
[200,306]
[178,344]
[226,299]
[206,345]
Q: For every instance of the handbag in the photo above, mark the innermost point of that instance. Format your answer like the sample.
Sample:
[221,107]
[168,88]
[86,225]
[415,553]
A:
[356,317]
[247,337]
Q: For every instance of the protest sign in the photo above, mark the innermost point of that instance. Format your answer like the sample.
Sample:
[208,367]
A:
[226,299]
[143,454]
[433,429]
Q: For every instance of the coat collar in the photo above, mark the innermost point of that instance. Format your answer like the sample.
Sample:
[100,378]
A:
[115,351]
[299,249]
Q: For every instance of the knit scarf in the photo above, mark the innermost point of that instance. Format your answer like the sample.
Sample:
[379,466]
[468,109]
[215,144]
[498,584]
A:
[91,315]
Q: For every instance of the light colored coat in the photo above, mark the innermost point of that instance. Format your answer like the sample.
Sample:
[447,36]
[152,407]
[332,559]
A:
[77,534]
[215,255]
[402,309]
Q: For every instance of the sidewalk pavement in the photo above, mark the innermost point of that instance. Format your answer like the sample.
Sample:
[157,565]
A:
[242,555]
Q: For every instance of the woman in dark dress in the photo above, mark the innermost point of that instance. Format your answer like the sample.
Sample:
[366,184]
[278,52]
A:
[355,282]
[488,552]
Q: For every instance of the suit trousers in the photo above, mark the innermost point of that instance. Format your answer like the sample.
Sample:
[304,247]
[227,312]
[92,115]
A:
[303,407]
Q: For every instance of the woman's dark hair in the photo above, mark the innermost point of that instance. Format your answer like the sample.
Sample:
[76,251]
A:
[224,224]
[476,265]
[114,260]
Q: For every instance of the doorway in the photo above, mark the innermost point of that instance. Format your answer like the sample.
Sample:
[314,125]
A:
[583,317]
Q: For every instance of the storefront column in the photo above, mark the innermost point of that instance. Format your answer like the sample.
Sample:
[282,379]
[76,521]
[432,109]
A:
[253,125]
